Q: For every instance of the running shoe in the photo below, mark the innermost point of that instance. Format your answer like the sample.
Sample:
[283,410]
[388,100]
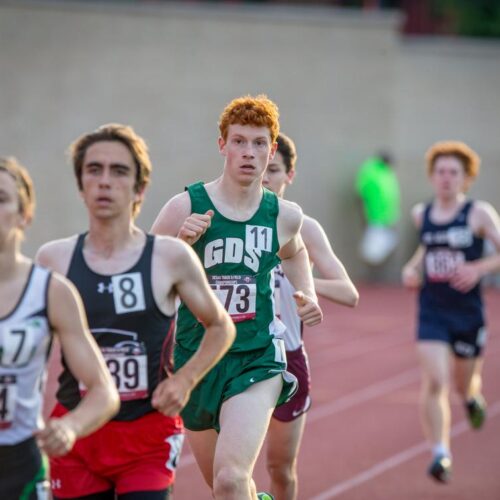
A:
[440,468]
[476,411]
[264,496]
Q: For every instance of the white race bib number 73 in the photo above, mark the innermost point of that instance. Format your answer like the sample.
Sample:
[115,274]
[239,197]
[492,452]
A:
[237,294]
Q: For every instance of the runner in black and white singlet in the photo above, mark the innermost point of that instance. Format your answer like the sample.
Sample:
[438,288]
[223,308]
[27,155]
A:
[34,305]
[129,282]
[447,267]
[24,343]
[287,425]
[240,231]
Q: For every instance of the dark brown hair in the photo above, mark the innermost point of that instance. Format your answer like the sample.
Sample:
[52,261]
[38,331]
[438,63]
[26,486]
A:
[118,133]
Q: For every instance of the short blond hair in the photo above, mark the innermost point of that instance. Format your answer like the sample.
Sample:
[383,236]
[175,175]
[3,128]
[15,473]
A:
[466,155]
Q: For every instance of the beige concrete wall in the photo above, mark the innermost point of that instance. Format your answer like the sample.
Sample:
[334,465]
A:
[346,84]
[447,89]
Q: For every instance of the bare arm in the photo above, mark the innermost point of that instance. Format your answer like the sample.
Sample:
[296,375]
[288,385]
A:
[411,274]
[172,215]
[101,402]
[491,230]
[56,255]
[486,222]
[173,393]
[334,283]
[295,263]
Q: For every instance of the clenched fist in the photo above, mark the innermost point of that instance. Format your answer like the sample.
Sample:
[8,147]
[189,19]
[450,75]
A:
[195,226]
[308,309]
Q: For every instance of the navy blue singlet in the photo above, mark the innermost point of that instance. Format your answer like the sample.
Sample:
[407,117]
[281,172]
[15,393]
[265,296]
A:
[447,246]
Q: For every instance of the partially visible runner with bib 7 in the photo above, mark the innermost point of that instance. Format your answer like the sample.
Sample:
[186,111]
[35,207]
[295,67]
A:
[240,231]
[447,268]
[129,282]
[35,305]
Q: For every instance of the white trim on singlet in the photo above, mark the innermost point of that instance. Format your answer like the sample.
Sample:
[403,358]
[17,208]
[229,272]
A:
[24,359]
[276,327]
[287,310]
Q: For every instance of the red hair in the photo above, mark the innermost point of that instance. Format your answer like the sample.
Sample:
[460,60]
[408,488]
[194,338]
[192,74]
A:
[466,155]
[257,111]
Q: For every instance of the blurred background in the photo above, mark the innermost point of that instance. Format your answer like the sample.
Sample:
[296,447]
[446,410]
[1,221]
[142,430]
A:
[350,77]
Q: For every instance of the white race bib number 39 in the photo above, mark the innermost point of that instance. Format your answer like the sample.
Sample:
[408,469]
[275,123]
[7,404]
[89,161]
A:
[8,396]
[129,372]
[237,294]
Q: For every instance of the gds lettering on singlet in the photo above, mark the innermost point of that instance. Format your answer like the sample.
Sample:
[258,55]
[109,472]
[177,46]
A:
[237,293]
[258,239]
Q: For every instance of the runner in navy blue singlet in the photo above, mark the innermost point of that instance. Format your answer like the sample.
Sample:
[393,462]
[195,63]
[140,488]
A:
[447,267]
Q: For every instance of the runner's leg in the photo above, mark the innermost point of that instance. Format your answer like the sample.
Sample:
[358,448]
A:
[244,420]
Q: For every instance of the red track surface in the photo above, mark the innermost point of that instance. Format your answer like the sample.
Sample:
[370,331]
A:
[363,439]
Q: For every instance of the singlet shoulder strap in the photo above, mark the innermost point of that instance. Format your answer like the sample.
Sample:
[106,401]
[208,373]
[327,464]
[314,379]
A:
[34,298]
[148,248]
[270,202]
[200,201]
[427,211]
[426,222]
[467,207]
[77,259]
[42,277]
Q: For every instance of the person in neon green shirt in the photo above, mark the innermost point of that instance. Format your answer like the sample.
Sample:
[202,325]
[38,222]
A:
[378,188]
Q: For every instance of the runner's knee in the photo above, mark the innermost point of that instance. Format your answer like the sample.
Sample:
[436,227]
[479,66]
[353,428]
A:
[230,479]
[282,472]
[436,386]
[465,385]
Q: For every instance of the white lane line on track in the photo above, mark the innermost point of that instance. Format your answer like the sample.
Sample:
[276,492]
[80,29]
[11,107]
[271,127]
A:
[329,353]
[378,389]
[344,353]
[395,460]
[343,403]
[371,392]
